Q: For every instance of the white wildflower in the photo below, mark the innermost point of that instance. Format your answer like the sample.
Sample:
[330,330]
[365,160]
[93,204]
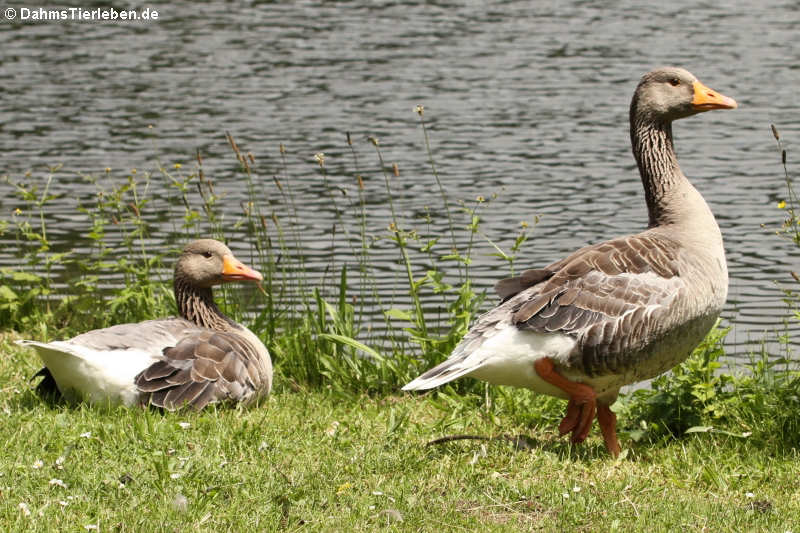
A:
[180,502]
[478,454]
[184,425]
[57,483]
[37,464]
[26,511]
[379,493]
[331,431]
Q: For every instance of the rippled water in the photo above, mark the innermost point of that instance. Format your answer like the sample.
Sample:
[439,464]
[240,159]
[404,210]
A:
[527,101]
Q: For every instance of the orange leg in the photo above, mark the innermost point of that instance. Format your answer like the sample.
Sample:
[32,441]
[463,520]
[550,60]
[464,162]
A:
[571,418]
[582,404]
[608,425]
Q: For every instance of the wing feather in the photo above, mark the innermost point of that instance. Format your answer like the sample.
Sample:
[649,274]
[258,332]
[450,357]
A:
[508,287]
[202,368]
[611,298]
[604,295]
[150,335]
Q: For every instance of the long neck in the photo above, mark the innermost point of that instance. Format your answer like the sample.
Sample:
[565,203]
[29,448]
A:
[658,166]
[197,305]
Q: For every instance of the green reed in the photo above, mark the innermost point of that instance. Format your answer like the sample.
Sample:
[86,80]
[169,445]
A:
[314,343]
[26,293]
[789,230]
[321,334]
[366,282]
[420,110]
[791,225]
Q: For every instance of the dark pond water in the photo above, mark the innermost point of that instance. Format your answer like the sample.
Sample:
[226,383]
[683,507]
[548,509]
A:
[526,104]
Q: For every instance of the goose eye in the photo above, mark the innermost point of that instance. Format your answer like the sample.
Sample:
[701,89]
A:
[674,82]
[207,255]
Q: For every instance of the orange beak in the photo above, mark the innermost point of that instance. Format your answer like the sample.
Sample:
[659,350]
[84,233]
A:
[235,270]
[706,99]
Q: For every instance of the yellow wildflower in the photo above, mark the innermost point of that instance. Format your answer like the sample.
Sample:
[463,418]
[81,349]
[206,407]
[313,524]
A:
[782,204]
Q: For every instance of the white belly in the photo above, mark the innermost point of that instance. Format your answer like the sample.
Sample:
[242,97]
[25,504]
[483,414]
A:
[96,376]
[509,357]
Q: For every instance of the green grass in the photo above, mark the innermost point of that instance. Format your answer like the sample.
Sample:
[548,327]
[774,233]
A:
[315,461]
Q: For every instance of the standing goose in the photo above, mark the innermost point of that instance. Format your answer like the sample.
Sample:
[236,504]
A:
[198,358]
[616,312]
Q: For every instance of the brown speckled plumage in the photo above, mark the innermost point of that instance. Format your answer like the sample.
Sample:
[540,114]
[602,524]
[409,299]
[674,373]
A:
[623,310]
[198,358]
[223,361]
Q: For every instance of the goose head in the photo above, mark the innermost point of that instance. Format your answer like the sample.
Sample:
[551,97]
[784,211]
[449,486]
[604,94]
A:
[206,262]
[671,93]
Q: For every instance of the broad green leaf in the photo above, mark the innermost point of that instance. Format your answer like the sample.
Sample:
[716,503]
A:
[700,429]
[341,339]
[7,294]
[399,314]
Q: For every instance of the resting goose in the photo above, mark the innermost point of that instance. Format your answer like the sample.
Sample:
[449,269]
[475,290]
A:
[198,358]
[621,311]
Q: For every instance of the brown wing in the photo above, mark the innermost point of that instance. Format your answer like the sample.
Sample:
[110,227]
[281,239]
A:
[506,288]
[635,254]
[611,296]
[202,368]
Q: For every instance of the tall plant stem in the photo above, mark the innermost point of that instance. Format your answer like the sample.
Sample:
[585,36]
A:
[421,112]
[401,242]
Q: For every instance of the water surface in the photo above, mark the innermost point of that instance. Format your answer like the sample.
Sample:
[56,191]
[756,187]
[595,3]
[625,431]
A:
[526,104]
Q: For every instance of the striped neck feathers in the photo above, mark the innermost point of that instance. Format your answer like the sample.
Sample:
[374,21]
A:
[196,304]
[661,175]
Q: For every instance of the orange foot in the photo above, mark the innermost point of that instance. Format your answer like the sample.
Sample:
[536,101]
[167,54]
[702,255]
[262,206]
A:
[581,408]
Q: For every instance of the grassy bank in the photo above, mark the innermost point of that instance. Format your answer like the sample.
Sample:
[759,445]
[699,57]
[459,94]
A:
[316,461]
[337,447]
